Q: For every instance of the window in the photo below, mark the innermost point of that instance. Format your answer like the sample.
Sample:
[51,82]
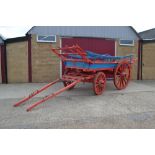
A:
[43,38]
[126,42]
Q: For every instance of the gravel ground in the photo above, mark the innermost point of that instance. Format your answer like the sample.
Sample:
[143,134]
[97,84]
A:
[133,107]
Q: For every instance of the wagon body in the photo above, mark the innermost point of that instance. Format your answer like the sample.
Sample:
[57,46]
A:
[99,62]
[80,64]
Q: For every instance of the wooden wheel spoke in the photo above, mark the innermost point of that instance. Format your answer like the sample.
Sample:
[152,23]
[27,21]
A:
[117,77]
[120,84]
[123,82]
[125,79]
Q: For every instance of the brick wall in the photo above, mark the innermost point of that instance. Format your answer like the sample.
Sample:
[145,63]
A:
[148,70]
[17,62]
[45,64]
[0,66]
[126,50]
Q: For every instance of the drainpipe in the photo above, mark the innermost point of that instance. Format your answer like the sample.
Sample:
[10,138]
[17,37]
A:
[29,59]
[139,72]
[141,59]
[4,63]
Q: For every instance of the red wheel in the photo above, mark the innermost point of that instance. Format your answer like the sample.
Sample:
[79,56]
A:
[122,75]
[99,83]
[66,83]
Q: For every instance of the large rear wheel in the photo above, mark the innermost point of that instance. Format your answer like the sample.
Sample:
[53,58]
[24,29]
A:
[122,75]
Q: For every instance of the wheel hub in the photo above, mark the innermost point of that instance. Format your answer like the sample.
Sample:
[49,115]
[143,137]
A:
[123,74]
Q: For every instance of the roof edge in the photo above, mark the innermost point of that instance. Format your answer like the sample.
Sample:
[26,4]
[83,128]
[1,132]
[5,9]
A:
[30,30]
[148,41]
[135,32]
[1,36]
[147,30]
[140,38]
[17,39]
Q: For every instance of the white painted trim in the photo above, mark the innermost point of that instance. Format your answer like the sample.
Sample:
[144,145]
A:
[60,59]
[127,44]
[149,39]
[45,41]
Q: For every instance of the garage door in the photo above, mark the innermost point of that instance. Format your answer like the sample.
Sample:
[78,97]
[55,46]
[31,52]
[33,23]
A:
[148,64]
[93,44]
[102,46]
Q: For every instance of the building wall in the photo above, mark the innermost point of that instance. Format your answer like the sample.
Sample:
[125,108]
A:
[148,62]
[45,64]
[126,50]
[17,62]
[0,67]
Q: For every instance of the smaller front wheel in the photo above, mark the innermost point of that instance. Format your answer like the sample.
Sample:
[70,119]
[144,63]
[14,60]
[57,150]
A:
[99,83]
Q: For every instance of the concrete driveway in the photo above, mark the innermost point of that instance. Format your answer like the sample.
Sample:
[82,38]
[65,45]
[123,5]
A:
[133,107]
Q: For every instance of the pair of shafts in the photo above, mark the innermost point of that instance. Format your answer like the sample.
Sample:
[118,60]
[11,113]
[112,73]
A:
[47,97]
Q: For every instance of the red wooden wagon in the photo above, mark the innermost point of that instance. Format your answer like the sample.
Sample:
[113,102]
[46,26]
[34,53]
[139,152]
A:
[87,66]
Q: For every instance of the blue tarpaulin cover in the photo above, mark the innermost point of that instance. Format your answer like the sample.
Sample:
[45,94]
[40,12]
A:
[94,56]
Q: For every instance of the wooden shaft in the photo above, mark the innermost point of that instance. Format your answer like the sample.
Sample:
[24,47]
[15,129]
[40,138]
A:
[52,95]
[35,93]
